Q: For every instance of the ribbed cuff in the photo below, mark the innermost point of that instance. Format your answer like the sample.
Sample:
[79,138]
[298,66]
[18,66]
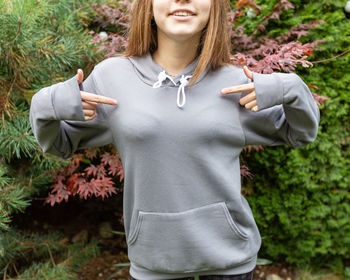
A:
[66,100]
[268,89]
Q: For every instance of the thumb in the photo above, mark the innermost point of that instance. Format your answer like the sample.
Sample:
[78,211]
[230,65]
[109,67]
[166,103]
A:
[247,72]
[80,76]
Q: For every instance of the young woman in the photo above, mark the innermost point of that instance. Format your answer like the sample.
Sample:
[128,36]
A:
[179,115]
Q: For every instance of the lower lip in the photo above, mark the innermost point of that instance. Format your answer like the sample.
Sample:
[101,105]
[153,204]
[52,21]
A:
[182,18]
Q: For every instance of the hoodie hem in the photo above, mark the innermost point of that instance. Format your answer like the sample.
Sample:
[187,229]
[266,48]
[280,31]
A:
[139,272]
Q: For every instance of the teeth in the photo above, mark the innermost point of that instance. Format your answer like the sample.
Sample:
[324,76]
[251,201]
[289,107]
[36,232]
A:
[182,14]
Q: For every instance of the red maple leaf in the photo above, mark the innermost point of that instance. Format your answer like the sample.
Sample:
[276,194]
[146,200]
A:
[76,159]
[85,190]
[75,181]
[108,158]
[91,153]
[51,199]
[245,171]
[94,186]
[96,170]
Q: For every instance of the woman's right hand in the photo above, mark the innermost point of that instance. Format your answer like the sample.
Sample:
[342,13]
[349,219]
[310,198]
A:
[90,100]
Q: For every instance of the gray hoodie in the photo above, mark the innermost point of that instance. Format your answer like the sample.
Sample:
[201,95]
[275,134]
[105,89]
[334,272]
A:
[184,214]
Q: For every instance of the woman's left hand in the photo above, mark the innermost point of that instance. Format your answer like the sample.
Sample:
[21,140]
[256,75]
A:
[249,101]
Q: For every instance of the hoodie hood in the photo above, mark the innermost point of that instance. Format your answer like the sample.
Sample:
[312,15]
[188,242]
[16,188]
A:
[156,76]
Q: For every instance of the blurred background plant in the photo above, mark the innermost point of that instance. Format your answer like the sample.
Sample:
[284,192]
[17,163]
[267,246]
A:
[41,43]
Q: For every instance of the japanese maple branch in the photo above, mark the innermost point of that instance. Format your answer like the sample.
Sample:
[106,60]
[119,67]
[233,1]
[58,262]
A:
[328,59]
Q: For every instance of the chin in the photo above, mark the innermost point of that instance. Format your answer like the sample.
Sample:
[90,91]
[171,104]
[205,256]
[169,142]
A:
[182,37]
[184,34]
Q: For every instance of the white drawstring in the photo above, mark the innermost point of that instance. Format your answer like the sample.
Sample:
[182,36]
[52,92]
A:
[183,82]
[161,78]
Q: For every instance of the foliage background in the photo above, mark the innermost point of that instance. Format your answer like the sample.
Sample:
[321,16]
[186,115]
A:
[299,197]
[41,43]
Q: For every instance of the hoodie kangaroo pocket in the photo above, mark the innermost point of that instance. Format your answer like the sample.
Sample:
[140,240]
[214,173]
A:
[203,238]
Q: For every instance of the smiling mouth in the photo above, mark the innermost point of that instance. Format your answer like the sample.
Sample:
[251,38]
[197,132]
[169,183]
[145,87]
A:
[184,13]
[182,18]
[187,16]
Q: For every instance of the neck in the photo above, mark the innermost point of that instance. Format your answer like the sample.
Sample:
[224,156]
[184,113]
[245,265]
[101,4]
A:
[173,55]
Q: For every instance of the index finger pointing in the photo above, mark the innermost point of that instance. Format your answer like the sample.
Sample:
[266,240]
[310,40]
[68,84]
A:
[239,88]
[86,96]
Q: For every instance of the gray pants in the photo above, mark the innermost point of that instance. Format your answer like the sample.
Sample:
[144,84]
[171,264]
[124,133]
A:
[244,276]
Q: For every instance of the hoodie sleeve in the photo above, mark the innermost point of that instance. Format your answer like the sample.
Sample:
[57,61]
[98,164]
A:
[287,112]
[57,118]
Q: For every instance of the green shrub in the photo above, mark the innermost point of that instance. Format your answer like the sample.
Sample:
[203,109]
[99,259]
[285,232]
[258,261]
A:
[300,197]
[42,256]
[41,43]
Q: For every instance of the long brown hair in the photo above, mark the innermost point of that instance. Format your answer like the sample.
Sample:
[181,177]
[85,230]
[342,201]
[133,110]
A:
[214,46]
